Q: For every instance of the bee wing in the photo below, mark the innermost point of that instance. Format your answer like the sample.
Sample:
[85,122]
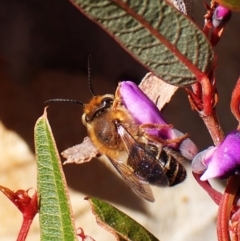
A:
[138,155]
[138,185]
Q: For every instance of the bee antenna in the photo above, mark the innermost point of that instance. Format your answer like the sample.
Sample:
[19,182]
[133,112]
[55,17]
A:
[65,100]
[89,75]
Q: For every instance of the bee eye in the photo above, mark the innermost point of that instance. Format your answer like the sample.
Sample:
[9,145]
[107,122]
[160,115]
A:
[98,109]
[107,101]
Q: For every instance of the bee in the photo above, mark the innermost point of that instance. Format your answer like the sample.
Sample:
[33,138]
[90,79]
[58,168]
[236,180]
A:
[141,159]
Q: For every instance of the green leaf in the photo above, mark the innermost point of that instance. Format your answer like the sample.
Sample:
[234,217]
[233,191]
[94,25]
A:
[160,37]
[231,4]
[118,223]
[55,211]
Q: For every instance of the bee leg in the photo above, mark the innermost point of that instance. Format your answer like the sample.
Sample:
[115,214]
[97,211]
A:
[156,126]
[163,141]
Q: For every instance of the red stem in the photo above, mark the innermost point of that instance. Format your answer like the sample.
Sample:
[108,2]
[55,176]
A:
[225,208]
[29,213]
[208,113]
[206,94]
[24,229]
[214,127]
[215,195]
[235,101]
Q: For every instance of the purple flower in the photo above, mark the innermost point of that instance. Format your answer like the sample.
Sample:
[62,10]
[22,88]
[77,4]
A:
[221,16]
[144,111]
[221,161]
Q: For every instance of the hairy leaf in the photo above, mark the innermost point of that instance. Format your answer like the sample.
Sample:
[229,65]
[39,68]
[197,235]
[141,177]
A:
[55,213]
[160,37]
[118,223]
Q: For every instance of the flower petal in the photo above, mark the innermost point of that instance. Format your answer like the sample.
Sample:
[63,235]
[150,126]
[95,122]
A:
[187,147]
[198,162]
[139,105]
[221,16]
[221,161]
[144,111]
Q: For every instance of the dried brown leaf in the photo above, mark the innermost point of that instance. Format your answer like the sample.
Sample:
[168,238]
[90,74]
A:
[81,153]
[157,90]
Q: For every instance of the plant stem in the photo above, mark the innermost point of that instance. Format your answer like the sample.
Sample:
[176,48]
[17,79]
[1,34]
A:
[24,229]
[214,194]
[235,100]
[214,127]
[208,113]
[225,208]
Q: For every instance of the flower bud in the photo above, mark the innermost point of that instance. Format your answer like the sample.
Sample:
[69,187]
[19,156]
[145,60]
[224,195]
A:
[144,111]
[221,16]
[221,161]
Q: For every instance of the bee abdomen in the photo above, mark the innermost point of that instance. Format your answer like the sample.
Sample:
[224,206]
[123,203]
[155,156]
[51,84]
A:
[176,174]
[175,171]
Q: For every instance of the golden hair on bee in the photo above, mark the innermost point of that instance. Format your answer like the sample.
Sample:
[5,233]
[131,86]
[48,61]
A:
[101,121]
[138,157]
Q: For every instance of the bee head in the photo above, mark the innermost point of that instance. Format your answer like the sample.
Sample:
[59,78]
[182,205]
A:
[96,106]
